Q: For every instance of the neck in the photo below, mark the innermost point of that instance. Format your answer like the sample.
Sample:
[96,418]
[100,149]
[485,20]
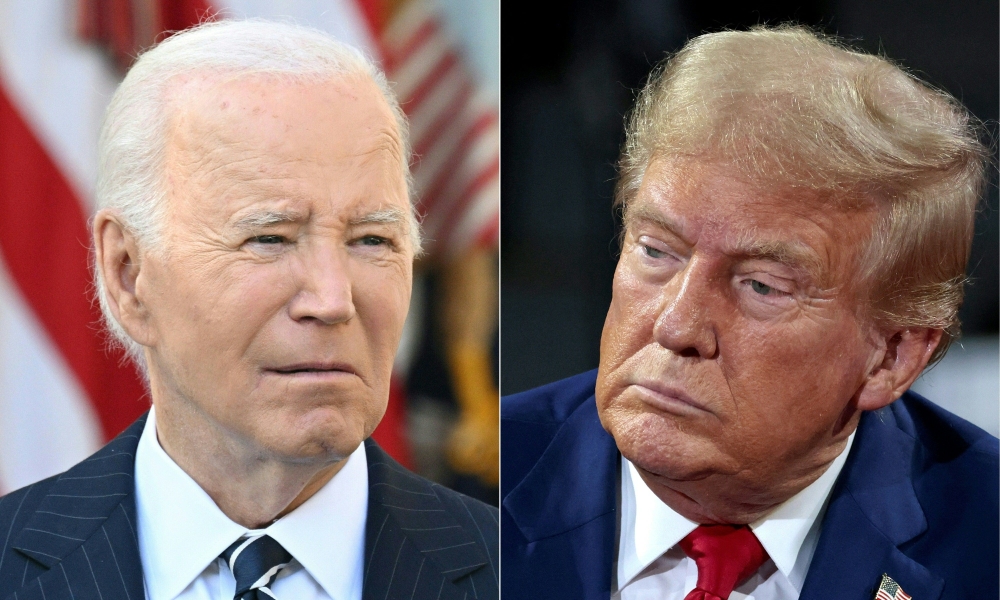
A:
[248,484]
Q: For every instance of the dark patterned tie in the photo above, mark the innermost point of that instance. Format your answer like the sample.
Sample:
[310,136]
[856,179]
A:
[255,562]
[726,556]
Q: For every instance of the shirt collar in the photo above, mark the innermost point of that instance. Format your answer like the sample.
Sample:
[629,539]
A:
[338,511]
[784,531]
[182,531]
[649,528]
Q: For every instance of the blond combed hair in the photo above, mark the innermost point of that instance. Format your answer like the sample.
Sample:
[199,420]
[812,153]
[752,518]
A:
[791,109]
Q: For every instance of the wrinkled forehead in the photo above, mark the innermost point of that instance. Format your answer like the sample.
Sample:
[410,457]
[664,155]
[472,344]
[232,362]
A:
[264,108]
[708,202]
[706,180]
[270,134]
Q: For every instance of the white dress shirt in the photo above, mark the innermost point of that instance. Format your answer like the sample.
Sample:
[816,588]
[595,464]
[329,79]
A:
[651,564]
[182,533]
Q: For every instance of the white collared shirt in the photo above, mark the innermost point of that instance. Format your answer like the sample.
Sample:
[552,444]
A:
[651,564]
[182,532]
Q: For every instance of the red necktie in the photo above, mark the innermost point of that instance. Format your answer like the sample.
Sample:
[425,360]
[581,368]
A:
[726,555]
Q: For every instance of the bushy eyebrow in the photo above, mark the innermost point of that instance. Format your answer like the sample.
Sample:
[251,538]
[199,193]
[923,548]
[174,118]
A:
[266,218]
[791,254]
[389,216]
[643,214]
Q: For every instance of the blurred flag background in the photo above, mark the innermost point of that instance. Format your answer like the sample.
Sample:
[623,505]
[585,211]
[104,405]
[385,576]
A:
[64,391]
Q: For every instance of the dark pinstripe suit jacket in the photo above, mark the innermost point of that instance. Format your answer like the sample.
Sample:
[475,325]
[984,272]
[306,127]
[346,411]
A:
[73,535]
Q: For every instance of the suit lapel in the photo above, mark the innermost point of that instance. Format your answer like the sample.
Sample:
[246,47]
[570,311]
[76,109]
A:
[568,501]
[414,547]
[84,532]
[873,509]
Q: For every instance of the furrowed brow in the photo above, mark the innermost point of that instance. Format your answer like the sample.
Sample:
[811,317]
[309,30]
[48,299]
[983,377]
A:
[643,214]
[390,216]
[267,218]
[793,255]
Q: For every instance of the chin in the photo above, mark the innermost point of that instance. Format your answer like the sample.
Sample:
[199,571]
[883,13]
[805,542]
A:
[323,434]
[317,447]
[657,445]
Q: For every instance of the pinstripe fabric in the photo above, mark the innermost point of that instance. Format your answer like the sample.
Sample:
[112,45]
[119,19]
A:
[73,535]
[424,541]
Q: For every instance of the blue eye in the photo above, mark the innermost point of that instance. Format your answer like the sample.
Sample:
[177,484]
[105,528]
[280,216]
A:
[760,288]
[268,239]
[373,240]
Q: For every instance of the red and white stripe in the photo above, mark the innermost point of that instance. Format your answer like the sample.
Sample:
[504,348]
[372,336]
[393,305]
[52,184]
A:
[454,131]
[899,595]
[53,363]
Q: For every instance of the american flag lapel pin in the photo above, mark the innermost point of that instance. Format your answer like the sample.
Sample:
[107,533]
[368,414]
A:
[890,590]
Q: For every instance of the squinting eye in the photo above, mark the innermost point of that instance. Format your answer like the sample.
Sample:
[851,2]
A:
[760,288]
[373,240]
[653,252]
[268,239]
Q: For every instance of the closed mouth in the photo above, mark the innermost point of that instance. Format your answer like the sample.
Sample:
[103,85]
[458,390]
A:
[667,399]
[300,369]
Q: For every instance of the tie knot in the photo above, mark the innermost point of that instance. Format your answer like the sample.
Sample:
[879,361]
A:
[255,562]
[726,556]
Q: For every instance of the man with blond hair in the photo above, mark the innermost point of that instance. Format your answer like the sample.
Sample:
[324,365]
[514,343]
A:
[797,222]
[254,244]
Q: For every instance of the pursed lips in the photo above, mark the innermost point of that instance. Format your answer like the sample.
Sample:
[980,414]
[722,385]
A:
[313,369]
[667,398]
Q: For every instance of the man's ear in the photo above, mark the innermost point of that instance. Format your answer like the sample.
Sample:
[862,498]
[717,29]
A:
[904,357]
[119,267]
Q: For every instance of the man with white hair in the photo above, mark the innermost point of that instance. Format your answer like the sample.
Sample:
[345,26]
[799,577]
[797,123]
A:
[797,222]
[253,251]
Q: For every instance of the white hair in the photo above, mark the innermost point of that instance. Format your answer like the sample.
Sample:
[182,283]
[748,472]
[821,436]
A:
[133,138]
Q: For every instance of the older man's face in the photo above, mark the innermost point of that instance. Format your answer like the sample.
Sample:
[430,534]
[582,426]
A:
[279,296]
[734,343]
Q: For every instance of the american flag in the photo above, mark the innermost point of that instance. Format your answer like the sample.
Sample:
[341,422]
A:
[890,590]
[454,129]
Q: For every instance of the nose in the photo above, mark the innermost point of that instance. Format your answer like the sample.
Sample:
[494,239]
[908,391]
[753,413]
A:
[683,326]
[324,295]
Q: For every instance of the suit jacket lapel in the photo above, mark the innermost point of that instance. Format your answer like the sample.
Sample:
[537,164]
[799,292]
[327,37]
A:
[414,547]
[84,532]
[873,509]
[574,483]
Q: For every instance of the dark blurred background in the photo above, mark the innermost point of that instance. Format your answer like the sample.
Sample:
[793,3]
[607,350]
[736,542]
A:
[567,83]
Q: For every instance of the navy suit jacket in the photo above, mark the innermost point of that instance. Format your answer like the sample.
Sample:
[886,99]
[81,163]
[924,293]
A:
[917,499]
[73,535]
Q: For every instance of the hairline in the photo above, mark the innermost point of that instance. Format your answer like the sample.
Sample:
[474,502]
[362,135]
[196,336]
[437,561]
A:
[172,100]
